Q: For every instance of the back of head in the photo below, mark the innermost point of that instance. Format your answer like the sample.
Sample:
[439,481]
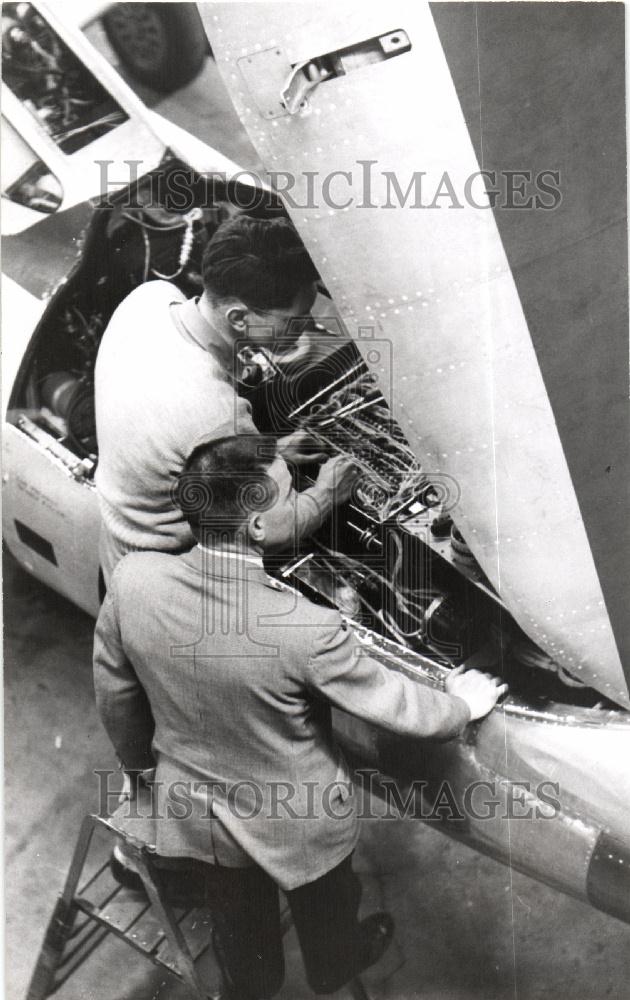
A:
[261,262]
[223,482]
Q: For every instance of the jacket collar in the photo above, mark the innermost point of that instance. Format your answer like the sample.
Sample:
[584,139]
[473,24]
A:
[231,554]
[225,565]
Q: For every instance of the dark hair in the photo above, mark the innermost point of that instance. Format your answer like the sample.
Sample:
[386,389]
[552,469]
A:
[223,482]
[262,262]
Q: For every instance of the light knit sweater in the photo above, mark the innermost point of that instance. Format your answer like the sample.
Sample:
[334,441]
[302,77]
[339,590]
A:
[158,396]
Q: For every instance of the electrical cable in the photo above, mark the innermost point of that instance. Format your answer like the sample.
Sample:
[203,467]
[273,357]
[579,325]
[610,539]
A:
[147,225]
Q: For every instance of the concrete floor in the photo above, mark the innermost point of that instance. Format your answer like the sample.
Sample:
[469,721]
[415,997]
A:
[466,927]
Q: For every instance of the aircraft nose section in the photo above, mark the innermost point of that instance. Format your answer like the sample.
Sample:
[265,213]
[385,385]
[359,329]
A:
[608,877]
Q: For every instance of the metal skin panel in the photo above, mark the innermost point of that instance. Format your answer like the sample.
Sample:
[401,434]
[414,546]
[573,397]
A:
[543,87]
[42,258]
[573,762]
[556,843]
[468,390]
[21,312]
[608,880]
[590,763]
[43,495]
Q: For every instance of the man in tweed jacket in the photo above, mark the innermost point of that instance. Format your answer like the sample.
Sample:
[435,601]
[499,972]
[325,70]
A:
[223,680]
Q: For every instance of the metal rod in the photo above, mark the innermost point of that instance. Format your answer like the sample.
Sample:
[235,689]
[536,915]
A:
[292,568]
[347,411]
[326,389]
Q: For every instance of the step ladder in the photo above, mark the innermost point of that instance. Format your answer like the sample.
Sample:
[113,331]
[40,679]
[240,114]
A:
[93,905]
[87,912]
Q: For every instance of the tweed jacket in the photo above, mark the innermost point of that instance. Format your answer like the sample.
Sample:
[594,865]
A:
[223,680]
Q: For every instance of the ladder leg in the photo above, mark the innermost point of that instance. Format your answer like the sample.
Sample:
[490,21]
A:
[173,932]
[358,990]
[60,924]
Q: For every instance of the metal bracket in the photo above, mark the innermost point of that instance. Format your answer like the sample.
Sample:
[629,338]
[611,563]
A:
[280,88]
[307,75]
[303,79]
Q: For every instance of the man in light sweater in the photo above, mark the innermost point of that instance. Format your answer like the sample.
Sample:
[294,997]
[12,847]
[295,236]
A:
[165,377]
[223,680]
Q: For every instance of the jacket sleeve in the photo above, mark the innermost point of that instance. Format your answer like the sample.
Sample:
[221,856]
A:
[120,698]
[342,671]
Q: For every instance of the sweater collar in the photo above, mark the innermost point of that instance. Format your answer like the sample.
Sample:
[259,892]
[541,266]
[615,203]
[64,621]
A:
[196,329]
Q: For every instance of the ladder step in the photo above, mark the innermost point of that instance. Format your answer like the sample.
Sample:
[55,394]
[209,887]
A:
[95,862]
[80,942]
[78,927]
[124,909]
[197,930]
[84,917]
[99,891]
[147,932]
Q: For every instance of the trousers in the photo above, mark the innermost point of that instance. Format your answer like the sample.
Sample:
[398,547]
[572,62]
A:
[246,908]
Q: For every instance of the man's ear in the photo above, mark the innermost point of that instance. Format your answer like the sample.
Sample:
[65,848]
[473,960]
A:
[256,529]
[236,317]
